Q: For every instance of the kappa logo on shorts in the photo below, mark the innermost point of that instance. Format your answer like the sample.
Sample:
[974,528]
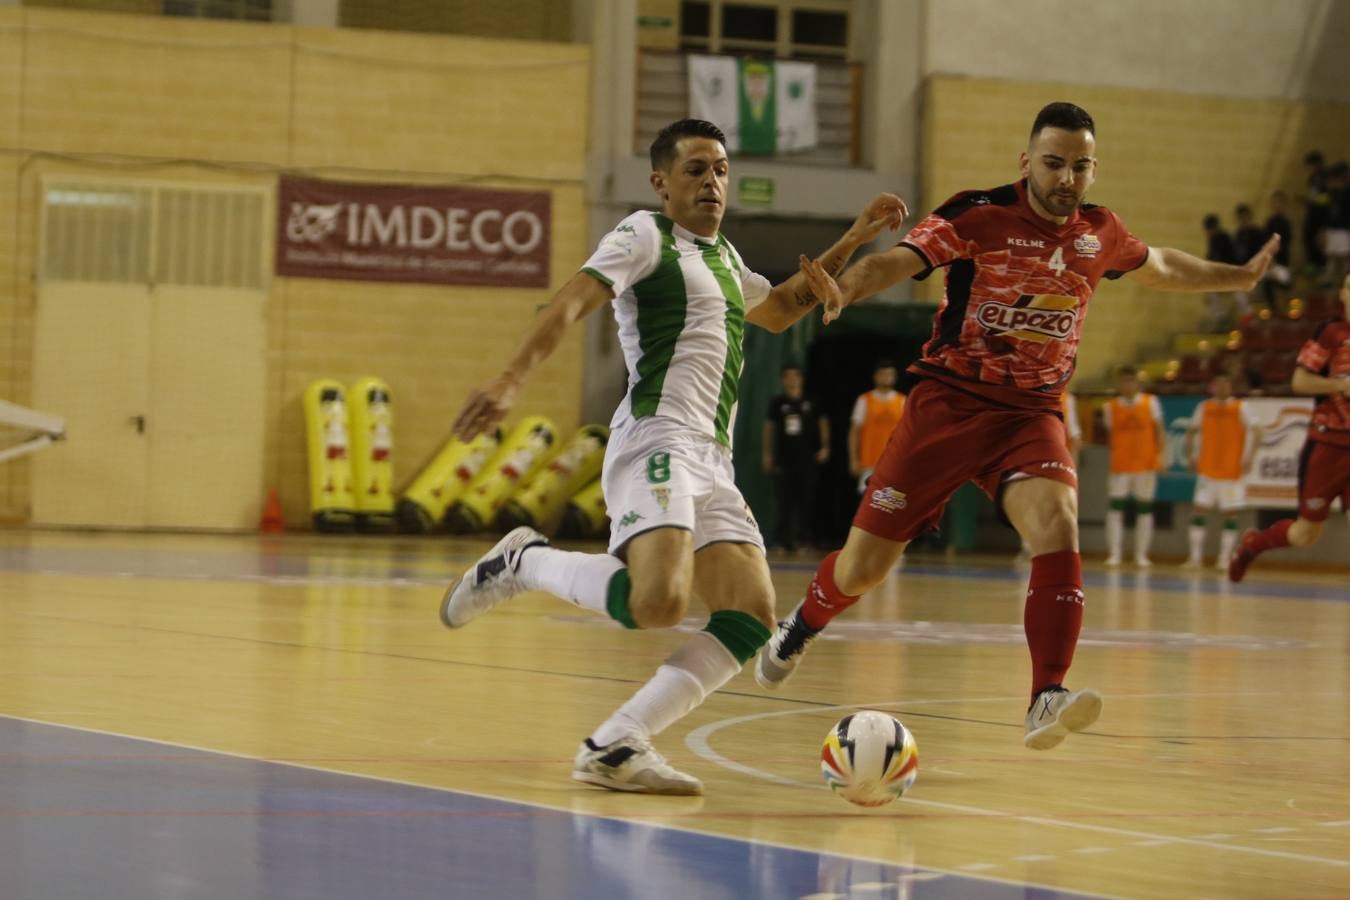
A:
[629,518]
[1315,503]
[888,500]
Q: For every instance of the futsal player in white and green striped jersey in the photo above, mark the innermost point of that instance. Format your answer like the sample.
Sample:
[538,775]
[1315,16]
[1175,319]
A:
[680,527]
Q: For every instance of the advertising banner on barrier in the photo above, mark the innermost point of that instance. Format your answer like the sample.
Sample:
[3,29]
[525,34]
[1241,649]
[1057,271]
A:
[412,233]
[1176,482]
[1272,482]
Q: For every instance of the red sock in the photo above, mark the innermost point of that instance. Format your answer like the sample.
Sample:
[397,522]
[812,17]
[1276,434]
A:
[1053,616]
[824,600]
[1273,538]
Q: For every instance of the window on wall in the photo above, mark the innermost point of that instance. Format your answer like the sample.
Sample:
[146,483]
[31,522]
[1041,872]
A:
[786,28]
[242,10]
[153,234]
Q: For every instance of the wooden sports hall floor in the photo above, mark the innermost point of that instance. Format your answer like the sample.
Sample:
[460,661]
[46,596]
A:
[186,716]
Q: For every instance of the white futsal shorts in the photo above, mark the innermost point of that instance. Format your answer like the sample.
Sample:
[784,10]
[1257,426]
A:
[1139,485]
[1213,493]
[660,474]
[1337,241]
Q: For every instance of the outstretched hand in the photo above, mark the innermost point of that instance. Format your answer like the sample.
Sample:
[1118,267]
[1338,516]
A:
[1255,268]
[485,408]
[884,211]
[823,287]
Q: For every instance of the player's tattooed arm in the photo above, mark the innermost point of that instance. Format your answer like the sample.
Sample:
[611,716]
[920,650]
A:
[790,300]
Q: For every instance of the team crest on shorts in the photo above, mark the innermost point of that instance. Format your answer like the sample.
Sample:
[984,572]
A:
[1087,244]
[662,497]
[888,500]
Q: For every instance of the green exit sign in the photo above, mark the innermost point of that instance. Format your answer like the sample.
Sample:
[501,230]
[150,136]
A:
[754,191]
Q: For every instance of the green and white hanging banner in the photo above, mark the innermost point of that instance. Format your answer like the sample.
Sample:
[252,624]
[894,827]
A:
[765,106]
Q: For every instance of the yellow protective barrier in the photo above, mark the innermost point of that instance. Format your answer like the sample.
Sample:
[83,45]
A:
[443,480]
[539,502]
[585,514]
[331,505]
[371,416]
[525,449]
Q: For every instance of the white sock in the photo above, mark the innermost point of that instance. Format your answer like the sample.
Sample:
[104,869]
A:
[1197,534]
[1115,531]
[1143,534]
[1227,539]
[580,578]
[699,667]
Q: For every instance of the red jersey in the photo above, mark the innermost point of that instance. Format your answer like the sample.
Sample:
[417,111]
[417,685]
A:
[1017,292]
[1327,353]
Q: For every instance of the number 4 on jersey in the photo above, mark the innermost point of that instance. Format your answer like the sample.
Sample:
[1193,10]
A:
[1056,261]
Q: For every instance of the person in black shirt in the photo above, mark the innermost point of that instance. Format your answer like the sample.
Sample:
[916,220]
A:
[1246,241]
[1220,249]
[1278,276]
[796,443]
[1315,214]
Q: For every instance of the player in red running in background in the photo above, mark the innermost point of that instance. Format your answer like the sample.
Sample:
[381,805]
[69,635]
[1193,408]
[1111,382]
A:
[1022,261]
[1323,370]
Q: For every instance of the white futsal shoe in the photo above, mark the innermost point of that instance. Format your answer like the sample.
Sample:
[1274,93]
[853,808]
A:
[490,580]
[1112,561]
[784,650]
[1056,712]
[631,764]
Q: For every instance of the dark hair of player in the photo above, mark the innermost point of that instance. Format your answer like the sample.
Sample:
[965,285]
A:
[1126,371]
[663,148]
[1313,158]
[883,363]
[789,367]
[1210,221]
[1063,115]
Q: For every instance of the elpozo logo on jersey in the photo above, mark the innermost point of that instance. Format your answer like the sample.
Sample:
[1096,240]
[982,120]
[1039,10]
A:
[1087,244]
[1038,317]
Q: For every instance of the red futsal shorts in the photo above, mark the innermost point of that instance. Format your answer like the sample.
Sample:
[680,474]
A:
[947,437]
[1323,475]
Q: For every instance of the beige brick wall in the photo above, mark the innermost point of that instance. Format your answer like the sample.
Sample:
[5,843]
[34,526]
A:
[241,103]
[538,20]
[141,7]
[1165,160]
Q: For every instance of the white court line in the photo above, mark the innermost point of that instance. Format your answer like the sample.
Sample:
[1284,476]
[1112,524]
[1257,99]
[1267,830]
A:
[697,741]
[534,804]
[1273,830]
[1341,823]
[1093,850]
[1034,857]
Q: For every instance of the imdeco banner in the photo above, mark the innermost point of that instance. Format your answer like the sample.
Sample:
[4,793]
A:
[412,233]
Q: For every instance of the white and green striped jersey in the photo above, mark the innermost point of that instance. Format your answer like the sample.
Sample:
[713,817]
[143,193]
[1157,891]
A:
[681,301]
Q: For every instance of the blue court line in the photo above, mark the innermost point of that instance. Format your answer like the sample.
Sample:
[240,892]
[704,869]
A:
[91,814]
[1209,585]
[383,570]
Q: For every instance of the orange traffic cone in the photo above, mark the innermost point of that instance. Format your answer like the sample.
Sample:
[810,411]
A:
[272,521]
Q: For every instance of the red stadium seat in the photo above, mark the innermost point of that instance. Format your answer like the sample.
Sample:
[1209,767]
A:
[1287,335]
[1277,371]
[1192,370]
[1255,336]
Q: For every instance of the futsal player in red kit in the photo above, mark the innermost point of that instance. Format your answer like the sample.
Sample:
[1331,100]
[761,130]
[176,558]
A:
[1021,264]
[1323,369]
